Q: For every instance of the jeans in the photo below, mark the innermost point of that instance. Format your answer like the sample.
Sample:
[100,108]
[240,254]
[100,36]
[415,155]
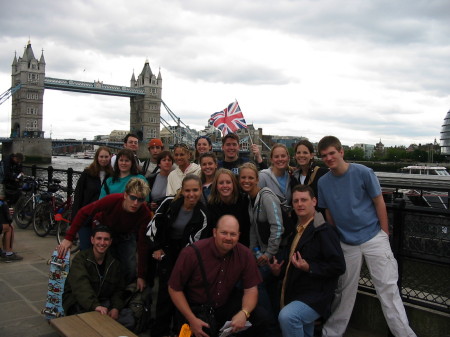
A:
[124,249]
[297,320]
[84,235]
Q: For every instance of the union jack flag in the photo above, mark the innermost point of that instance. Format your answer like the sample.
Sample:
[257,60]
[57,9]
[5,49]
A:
[229,119]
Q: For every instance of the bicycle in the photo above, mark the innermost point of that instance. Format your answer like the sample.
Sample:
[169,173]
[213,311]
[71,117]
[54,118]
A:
[52,204]
[26,205]
[63,224]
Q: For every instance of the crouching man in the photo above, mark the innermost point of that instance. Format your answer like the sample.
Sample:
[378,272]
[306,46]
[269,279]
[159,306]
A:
[227,263]
[95,281]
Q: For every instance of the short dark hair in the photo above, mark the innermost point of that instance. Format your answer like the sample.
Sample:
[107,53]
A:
[230,135]
[304,188]
[102,229]
[163,155]
[125,140]
[329,141]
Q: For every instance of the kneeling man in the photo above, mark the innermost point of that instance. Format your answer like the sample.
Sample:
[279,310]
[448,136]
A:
[315,262]
[95,281]
[226,263]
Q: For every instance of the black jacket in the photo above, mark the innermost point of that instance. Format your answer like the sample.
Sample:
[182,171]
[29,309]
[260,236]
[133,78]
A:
[87,191]
[295,178]
[10,171]
[166,214]
[239,210]
[320,247]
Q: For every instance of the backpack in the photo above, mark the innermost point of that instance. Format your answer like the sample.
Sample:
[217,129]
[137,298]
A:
[140,304]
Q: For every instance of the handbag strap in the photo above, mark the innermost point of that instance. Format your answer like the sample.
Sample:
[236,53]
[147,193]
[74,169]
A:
[202,269]
[313,175]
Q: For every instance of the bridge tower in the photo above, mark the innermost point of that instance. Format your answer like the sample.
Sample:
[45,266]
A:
[27,109]
[27,103]
[145,111]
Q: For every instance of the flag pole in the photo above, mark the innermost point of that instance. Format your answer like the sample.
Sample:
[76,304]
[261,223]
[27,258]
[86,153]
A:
[248,131]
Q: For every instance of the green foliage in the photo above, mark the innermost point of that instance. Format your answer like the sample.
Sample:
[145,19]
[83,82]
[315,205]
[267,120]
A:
[354,154]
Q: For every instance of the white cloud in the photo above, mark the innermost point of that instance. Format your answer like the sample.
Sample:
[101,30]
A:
[356,69]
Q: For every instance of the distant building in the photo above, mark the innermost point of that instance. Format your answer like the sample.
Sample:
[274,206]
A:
[289,141]
[118,135]
[379,147]
[368,149]
[104,138]
[173,134]
[445,135]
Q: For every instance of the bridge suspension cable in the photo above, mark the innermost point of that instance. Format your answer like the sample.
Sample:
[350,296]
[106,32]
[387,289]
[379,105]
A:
[189,135]
[8,93]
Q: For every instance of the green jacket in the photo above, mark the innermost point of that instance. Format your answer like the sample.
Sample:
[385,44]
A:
[84,286]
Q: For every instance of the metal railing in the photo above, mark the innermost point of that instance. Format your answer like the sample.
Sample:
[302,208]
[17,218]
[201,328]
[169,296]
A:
[69,177]
[420,241]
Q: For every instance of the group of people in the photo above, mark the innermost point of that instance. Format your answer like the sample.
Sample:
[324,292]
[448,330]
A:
[279,246]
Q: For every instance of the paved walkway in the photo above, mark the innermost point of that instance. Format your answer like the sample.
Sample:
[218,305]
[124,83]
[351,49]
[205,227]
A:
[23,289]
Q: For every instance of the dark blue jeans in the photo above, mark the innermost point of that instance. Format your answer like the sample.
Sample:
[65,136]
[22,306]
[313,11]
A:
[124,249]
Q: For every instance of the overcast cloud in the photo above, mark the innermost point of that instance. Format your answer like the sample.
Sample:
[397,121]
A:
[360,70]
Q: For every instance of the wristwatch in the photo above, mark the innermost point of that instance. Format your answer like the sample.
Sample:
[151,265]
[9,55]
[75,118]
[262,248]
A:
[247,314]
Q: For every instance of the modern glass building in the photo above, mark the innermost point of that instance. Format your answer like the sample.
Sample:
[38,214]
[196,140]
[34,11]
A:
[445,135]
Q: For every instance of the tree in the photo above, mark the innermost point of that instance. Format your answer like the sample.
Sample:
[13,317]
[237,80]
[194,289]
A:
[356,154]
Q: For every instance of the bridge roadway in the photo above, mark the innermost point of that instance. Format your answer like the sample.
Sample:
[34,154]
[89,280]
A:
[92,87]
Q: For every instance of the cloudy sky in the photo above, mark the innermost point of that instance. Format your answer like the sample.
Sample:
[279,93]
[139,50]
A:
[360,70]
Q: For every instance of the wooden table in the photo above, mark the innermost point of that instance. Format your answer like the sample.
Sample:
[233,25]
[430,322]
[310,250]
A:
[90,324]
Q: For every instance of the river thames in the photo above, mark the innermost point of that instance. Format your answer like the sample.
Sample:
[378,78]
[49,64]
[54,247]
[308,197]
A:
[63,163]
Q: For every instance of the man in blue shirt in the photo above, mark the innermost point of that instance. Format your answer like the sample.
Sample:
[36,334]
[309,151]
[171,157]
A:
[351,195]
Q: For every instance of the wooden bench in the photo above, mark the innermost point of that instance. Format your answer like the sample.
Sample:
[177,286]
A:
[89,324]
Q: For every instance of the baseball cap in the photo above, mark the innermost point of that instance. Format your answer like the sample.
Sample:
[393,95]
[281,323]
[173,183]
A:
[155,142]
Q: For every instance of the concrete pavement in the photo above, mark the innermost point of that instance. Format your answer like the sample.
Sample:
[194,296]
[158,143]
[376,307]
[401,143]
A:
[23,289]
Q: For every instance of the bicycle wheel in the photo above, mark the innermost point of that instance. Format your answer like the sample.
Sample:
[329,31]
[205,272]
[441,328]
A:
[23,211]
[63,227]
[43,219]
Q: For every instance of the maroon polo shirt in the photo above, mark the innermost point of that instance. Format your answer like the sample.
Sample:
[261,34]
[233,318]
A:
[222,272]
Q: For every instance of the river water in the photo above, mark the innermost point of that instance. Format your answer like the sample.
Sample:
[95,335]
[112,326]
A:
[63,163]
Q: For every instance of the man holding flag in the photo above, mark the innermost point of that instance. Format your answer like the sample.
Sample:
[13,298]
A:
[228,121]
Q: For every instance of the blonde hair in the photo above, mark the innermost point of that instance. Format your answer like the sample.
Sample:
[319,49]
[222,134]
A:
[249,166]
[277,145]
[137,186]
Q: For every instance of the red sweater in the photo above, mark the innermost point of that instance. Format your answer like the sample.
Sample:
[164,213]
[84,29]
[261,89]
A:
[110,212]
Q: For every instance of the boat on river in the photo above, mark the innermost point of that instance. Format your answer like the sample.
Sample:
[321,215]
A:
[88,154]
[425,186]
[425,170]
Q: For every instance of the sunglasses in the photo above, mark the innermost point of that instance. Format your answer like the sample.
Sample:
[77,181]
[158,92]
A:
[134,198]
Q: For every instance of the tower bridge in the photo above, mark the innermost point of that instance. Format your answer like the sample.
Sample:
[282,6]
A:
[27,92]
